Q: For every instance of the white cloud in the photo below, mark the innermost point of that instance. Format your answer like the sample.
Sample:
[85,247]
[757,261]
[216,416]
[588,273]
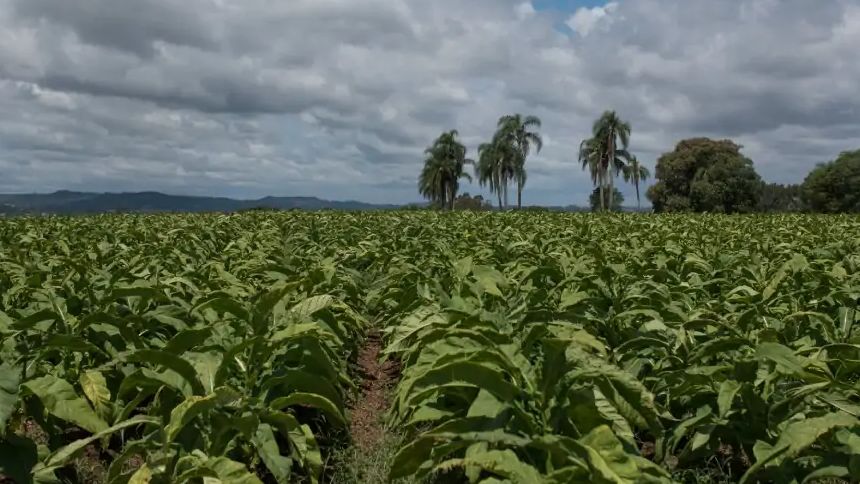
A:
[525,10]
[338,98]
[585,19]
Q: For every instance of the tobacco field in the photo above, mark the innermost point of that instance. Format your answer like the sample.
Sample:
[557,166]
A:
[528,347]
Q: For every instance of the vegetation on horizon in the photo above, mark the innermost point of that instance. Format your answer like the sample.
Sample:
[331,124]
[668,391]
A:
[700,175]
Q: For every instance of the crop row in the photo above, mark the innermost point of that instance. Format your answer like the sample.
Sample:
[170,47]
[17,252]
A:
[169,349]
[630,350]
[535,348]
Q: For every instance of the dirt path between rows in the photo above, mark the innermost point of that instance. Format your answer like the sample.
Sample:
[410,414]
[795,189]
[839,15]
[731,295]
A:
[369,409]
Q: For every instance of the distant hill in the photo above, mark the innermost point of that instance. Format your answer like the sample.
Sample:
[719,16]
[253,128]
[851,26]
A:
[67,202]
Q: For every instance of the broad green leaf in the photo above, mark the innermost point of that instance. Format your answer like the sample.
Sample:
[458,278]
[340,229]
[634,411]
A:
[189,409]
[60,400]
[218,470]
[267,447]
[172,362]
[610,463]
[206,365]
[224,304]
[490,280]
[71,343]
[485,405]
[307,307]
[728,390]
[143,475]
[95,388]
[795,264]
[310,400]
[783,356]
[187,340]
[61,456]
[570,299]
[796,437]
[9,379]
[502,463]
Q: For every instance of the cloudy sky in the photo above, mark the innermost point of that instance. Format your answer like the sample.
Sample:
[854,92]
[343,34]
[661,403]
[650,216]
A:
[338,98]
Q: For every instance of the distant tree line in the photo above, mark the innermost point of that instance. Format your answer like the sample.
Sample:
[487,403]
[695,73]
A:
[699,175]
[704,175]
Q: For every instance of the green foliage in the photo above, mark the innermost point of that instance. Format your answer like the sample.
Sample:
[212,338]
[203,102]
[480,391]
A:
[211,346]
[444,166]
[605,155]
[635,173]
[834,187]
[503,159]
[520,134]
[533,347]
[614,205]
[703,175]
[538,355]
[780,198]
[468,202]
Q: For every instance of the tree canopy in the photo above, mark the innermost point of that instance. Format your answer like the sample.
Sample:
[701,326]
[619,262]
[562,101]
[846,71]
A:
[605,154]
[614,205]
[474,203]
[446,159]
[699,175]
[503,159]
[834,187]
[780,198]
[705,175]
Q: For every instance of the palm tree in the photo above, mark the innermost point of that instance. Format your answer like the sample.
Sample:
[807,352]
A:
[487,169]
[443,168]
[496,166]
[607,150]
[521,132]
[589,156]
[432,182]
[634,173]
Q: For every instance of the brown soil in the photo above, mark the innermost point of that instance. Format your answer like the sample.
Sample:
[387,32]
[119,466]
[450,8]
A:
[369,409]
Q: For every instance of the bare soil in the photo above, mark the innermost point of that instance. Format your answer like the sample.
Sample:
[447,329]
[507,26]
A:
[369,409]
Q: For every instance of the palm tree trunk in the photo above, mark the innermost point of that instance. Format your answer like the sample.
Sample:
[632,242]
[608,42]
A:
[611,195]
[638,203]
[505,185]
[611,168]
[498,182]
[602,198]
[519,196]
[601,182]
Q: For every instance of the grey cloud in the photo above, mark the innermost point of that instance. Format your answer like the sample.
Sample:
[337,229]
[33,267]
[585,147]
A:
[338,98]
[133,27]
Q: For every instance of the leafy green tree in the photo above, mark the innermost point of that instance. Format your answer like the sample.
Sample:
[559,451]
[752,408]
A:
[704,175]
[635,173]
[444,166]
[614,204]
[780,198]
[834,187]
[521,133]
[605,154]
[468,202]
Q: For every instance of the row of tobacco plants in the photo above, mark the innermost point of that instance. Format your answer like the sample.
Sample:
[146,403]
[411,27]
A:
[558,349]
[175,348]
[535,348]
